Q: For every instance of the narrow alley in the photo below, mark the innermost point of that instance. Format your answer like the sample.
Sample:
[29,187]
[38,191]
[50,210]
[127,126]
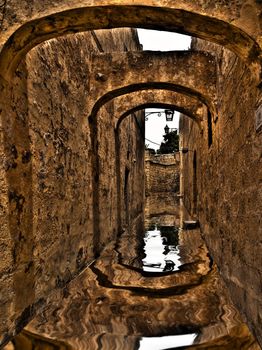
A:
[105,241]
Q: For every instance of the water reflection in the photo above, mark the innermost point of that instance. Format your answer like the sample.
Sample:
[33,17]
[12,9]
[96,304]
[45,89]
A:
[162,343]
[161,249]
[116,304]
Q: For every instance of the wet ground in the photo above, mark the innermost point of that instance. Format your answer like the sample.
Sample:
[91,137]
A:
[151,290]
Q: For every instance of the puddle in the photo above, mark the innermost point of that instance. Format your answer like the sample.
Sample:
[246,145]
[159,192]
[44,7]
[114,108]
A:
[162,343]
[153,291]
[161,249]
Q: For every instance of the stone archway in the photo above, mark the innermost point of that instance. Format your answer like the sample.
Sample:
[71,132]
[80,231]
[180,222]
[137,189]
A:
[130,103]
[189,72]
[28,27]
[135,101]
[116,74]
[230,26]
[147,99]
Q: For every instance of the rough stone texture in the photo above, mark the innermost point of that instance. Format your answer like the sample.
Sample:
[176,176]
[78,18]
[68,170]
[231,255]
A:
[50,235]
[232,165]
[189,72]
[161,173]
[224,191]
[132,169]
[235,25]
[158,98]
[2,12]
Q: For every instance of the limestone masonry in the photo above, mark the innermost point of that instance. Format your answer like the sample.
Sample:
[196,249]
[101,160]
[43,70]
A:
[162,172]
[73,82]
[50,164]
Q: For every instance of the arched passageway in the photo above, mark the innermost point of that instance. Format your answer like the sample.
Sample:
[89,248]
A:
[121,73]
[231,26]
[27,27]
[189,72]
[117,74]
[134,101]
[161,105]
[130,113]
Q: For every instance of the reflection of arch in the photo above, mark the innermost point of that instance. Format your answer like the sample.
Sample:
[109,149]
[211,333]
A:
[189,72]
[134,101]
[209,22]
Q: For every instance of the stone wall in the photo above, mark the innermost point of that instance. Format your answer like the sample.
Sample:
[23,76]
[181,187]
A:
[50,233]
[161,172]
[222,182]
[132,170]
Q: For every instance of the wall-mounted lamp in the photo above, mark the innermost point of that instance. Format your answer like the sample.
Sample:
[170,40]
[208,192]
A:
[169,114]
